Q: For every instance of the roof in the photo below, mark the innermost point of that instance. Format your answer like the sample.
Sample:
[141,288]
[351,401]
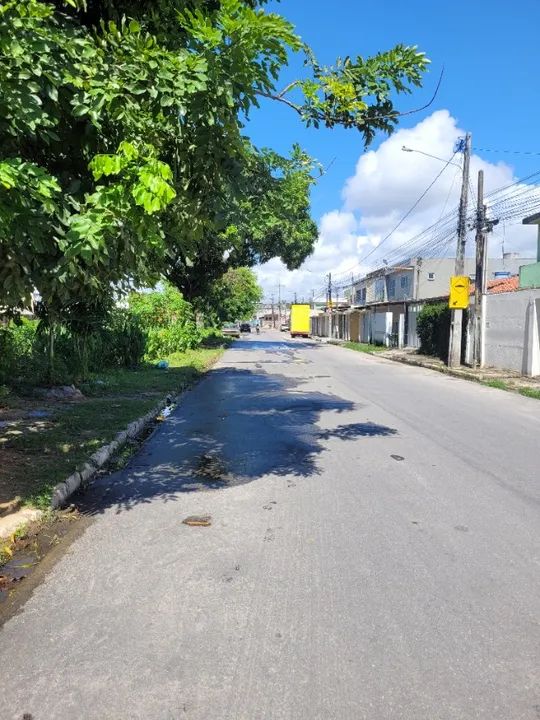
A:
[532,219]
[500,285]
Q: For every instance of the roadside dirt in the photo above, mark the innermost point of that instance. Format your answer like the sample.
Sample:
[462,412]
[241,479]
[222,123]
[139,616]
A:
[33,555]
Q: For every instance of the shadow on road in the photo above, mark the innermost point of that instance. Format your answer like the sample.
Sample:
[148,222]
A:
[235,427]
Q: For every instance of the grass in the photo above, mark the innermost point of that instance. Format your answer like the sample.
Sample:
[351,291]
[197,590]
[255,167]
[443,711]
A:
[364,347]
[499,384]
[37,454]
[502,385]
[530,392]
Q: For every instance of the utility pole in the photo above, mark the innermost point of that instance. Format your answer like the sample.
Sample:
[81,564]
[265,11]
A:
[479,288]
[279,300]
[483,226]
[330,305]
[313,299]
[273,316]
[295,298]
[456,325]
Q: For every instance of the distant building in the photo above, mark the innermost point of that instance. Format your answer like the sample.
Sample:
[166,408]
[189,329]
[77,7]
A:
[529,274]
[420,279]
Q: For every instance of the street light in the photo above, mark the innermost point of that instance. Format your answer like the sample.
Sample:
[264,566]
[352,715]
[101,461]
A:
[435,157]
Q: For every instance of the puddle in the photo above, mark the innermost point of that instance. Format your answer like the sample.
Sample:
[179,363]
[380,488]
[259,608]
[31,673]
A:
[19,567]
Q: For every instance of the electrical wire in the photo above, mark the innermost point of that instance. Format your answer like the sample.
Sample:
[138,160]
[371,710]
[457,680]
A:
[402,220]
[507,152]
[505,203]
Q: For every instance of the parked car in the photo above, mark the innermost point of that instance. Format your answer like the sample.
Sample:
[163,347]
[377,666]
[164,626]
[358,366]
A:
[284,327]
[245,327]
[231,330]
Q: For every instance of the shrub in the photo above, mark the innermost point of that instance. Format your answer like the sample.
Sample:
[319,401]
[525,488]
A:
[92,338]
[123,340]
[161,341]
[119,342]
[433,328]
[17,344]
[167,320]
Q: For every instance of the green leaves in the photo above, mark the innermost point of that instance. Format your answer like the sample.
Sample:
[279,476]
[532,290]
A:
[123,148]
[234,296]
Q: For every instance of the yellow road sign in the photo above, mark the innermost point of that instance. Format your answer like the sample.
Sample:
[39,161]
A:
[459,292]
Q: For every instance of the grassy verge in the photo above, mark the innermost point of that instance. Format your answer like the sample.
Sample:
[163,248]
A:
[364,347]
[530,392]
[502,385]
[499,384]
[38,452]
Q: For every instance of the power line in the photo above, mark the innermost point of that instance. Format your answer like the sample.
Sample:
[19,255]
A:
[402,220]
[507,202]
[508,152]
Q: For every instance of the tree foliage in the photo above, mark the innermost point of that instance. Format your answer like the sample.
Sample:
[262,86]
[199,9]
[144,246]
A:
[167,320]
[123,149]
[235,296]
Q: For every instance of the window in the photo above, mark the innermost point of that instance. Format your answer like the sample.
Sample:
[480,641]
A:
[431,276]
[379,290]
[391,287]
[360,296]
[405,282]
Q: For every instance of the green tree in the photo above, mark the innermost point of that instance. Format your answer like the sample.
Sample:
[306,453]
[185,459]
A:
[235,296]
[267,216]
[123,148]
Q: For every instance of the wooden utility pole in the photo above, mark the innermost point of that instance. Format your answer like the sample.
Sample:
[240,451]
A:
[273,316]
[331,321]
[456,325]
[279,300]
[480,280]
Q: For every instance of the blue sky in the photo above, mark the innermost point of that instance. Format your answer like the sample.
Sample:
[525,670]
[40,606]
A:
[491,87]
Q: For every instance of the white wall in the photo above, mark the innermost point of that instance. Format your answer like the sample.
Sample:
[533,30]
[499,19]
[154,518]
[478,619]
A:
[512,331]
[382,328]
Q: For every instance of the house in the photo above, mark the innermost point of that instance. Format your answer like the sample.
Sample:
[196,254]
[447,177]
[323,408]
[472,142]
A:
[386,302]
[529,275]
[423,278]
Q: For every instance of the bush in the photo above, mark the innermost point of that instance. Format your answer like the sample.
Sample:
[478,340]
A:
[93,339]
[162,341]
[16,349]
[168,322]
[433,328]
[119,342]
[123,340]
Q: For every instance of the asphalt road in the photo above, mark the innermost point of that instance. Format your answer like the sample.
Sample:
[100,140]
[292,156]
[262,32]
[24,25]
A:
[373,554]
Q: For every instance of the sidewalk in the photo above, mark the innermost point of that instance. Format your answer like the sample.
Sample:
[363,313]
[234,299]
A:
[504,379]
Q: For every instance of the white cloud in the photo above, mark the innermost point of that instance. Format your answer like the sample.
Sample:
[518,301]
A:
[386,183]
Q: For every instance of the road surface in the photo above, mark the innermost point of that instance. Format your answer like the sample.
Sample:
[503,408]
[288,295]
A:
[373,554]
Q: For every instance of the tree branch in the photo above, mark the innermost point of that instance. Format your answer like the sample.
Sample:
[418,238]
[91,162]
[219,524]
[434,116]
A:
[322,117]
[279,98]
[417,110]
[287,88]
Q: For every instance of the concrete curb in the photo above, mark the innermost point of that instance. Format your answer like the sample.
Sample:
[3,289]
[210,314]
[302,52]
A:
[63,490]
[17,520]
[445,370]
[454,372]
